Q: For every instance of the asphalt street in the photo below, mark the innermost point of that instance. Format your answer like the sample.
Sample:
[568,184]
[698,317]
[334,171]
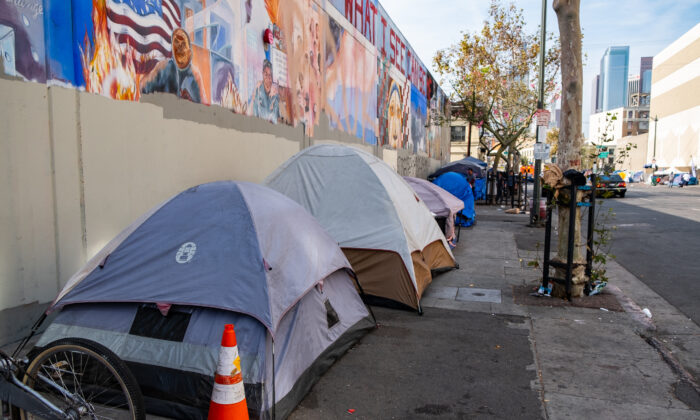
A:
[658,240]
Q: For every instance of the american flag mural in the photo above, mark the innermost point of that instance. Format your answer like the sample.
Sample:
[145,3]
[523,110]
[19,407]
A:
[146,26]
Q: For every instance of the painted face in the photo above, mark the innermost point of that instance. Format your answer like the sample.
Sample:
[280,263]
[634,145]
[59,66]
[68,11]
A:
[181,48]
[394,118]
[267,79]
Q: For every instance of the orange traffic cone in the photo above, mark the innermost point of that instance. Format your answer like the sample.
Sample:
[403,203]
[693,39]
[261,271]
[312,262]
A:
[228,396]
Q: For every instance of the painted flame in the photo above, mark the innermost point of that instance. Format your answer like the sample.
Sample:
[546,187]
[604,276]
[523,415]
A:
[111,71]
[273,10]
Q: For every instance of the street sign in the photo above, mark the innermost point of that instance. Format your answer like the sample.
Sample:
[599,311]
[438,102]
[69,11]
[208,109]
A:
[603,155]
[543,117]
[541,151]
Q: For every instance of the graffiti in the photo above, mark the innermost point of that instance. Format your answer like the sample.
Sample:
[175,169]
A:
[284,61]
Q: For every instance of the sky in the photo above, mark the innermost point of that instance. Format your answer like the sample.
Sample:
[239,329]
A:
[646,26]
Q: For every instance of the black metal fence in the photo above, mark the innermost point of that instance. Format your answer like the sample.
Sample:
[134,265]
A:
[506,190]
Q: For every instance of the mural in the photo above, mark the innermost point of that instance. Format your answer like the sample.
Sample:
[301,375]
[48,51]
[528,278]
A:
[282,61]
[22,39]
[394,108]
[351,90]
[419,119]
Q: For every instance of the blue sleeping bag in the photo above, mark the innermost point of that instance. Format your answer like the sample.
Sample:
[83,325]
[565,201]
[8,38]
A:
[457,185]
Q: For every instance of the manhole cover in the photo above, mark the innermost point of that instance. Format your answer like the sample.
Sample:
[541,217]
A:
[469,294]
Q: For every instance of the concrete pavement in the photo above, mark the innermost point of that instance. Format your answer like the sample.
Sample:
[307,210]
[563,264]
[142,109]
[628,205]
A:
[515,360]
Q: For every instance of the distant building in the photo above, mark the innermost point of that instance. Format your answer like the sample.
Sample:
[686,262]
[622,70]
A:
[555,119]
[633,91]
[612,88]
[459,129]
[629,125]
[595,103]
[675,100]
[645,70]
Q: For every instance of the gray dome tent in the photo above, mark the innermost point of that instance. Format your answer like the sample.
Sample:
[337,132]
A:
[158,295]
[384,228]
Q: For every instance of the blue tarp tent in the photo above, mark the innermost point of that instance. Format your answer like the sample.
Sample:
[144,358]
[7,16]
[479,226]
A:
[480,189]
[458,186]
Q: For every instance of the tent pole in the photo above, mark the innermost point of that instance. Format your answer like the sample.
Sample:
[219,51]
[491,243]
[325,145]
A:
[362,292]
[26,339]
[274,402]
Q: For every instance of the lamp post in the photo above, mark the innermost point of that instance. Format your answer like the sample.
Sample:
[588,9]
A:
[535,210]
[656,120]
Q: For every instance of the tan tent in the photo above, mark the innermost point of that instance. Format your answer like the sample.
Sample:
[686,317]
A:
[385,230]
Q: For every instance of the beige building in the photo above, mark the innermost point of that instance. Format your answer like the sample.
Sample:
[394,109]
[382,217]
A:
[459,130]
[674,118]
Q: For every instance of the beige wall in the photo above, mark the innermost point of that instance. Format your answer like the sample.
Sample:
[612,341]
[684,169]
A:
[77,168]
[675,137]
[637,155]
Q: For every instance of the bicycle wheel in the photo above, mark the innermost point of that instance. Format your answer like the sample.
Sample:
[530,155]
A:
[86,380]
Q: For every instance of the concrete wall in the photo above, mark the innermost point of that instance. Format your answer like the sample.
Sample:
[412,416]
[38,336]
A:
[77,168]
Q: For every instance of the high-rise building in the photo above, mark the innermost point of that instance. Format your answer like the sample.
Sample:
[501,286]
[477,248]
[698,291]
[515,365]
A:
[645,66]
[595,105]
[614,68]
[633,91]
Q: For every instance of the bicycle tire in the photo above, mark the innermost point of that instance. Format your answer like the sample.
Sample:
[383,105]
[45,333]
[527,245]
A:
[94,359]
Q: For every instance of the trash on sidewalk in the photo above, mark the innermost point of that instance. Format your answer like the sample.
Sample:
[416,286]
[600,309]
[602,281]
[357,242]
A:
[543,292]
[646,312]
[597,287]
[351,410]
[603,309]
[513,211]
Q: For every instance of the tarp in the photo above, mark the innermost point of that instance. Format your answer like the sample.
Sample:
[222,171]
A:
[462,166]
[669,171]
[480,189]
[368,209]
[439,201]
[224,252]
[458,186]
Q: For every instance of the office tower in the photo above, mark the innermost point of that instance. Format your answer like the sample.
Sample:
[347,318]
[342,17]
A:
[614,68]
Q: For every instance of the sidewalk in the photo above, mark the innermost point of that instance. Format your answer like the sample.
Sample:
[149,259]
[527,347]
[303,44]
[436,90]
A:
[477,353]
[591,362]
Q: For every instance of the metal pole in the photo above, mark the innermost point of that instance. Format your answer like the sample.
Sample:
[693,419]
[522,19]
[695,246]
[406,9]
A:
[591,227]
[547,243]
[535,210]
[571,243]
[656,120]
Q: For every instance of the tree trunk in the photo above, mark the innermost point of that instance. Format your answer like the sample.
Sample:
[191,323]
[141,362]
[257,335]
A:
[570,132]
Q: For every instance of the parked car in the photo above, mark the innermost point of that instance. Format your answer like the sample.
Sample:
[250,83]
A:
[610,185]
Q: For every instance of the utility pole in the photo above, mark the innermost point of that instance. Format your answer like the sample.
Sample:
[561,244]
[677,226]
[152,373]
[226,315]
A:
[535,210]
